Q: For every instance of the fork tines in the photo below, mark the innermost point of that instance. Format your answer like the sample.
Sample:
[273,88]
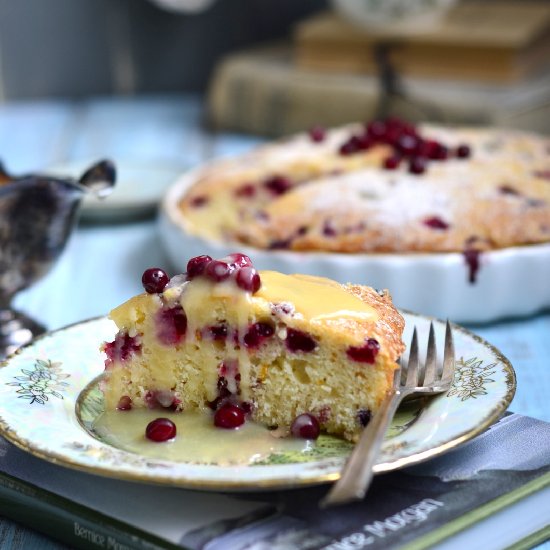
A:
[417,374]
[448,354]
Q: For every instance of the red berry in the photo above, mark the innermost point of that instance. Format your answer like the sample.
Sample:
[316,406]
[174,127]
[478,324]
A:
[417,165]
[160,429]
[441,152]
[436,223]
[247,190]
[229,416]
[238,260]
[347,148]
[357,143]
[509,190]
[463,151]
[196,266]
[218,332]
[317,134]
[154,280]
[278,184]
[471,256]
[391,163]
[305,426]
[257,333]
[376,129]
[296,340]
[364,416]
[171,324]
[217,271]
[121,348]
[199,201]
[407,144]
[366,353]
[248,279]
[124,403]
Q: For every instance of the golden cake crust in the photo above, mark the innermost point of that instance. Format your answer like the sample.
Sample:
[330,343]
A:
[388,328]
[301,195]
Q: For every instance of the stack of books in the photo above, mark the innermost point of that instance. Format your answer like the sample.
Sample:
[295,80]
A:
[498,41]
[490,493]
[485,63]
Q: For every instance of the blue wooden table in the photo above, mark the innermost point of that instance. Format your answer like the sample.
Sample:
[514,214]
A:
[103,263]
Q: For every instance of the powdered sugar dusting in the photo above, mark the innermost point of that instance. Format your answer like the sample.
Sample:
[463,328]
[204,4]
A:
[392,198]
[302,148]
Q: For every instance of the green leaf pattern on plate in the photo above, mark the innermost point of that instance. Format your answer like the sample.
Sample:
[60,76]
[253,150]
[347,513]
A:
[45,379]
[471,378]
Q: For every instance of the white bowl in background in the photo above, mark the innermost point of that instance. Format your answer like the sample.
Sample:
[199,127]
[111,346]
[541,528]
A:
[510,282]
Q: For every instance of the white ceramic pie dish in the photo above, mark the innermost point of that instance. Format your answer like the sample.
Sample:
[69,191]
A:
[509,282]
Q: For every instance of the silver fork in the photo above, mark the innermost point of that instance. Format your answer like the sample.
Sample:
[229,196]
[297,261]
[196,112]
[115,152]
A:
[414,379]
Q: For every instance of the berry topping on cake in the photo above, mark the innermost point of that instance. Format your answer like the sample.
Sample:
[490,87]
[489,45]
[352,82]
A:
[278,184]
[160,430]
[405,140]
[391,163]
[463,151]
[196,266]
[154,280]
[417,165]
[317,134]
[248,279]
[217,271]
[237,260]
[237,267]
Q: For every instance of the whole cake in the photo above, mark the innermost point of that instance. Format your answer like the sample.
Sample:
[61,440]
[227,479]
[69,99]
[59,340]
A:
[294,352]
[385,186]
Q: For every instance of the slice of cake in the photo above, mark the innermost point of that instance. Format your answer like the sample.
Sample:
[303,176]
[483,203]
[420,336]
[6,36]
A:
[296,352]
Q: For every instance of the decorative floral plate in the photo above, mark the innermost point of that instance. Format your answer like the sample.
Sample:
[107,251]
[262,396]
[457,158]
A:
[49,402]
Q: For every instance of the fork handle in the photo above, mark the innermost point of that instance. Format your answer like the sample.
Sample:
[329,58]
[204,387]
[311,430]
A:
[357,473]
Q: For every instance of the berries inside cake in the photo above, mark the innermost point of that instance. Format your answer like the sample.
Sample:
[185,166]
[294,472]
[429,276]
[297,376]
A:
[295,352]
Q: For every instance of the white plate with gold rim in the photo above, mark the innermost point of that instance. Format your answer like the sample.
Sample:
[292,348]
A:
[50,405]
